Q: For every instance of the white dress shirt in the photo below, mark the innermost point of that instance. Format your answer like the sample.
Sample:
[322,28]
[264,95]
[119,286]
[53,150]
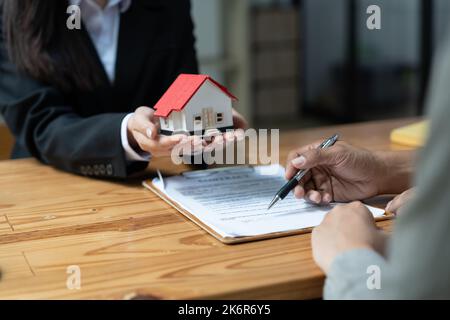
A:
[103,26]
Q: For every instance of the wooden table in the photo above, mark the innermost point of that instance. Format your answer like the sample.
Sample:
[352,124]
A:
[128,243]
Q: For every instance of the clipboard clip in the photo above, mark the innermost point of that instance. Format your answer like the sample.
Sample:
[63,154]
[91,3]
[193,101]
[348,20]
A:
[160,177]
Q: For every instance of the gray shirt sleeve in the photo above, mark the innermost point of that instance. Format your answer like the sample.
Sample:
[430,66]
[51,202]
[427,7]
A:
[418,260]
[353,274]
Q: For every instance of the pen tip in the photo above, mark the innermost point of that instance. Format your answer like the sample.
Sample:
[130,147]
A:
[272,203]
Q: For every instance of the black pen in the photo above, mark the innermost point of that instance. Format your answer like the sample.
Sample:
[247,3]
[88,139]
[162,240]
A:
[291,184]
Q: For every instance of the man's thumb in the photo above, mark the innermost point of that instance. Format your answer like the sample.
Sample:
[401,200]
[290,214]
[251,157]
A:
[313,158]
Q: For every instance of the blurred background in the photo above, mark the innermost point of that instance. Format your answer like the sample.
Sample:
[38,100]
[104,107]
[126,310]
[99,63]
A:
[305,63]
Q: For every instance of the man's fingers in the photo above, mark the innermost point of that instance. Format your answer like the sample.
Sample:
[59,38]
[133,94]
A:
[299,192]
[314,187]
[397,204]
[394,204]
[314,196]
[315,157]
[323,185]
[318,188]
[326,198]
[291,170]
[318,197]
[301,189]
[308,186]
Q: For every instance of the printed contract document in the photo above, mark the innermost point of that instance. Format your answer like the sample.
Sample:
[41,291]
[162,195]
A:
[233,201]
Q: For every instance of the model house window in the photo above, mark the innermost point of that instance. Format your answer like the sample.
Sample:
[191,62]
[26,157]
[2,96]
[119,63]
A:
[219,117]
[197,120]
[166,122]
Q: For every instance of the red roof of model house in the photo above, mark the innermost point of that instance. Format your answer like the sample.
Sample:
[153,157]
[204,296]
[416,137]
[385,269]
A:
[181,92]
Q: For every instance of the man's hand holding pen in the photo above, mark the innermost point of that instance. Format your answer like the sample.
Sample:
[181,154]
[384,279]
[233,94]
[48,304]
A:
[347,173]
[340,173]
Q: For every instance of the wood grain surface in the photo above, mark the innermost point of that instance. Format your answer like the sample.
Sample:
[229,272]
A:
[130,244]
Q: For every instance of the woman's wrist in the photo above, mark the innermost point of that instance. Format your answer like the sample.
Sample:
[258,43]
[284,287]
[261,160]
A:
[132,141]
[130,136]
[396,170]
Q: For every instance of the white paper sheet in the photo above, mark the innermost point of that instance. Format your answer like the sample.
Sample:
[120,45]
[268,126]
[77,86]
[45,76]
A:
[233,201]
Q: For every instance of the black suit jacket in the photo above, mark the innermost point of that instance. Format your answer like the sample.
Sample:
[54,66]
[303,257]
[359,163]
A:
[80,132]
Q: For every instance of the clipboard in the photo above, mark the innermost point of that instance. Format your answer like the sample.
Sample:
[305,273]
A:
[148,184]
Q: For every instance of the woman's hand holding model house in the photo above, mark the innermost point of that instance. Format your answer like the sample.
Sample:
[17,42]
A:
[143,134]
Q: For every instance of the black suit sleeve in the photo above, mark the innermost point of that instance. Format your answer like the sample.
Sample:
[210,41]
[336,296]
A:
[51,131]
[48,128]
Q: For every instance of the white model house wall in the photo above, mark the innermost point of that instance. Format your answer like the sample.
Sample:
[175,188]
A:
[167,123]
[208,96]
[177,121]
[174,122]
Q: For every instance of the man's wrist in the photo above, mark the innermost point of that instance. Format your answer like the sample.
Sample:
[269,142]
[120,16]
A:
[396,170]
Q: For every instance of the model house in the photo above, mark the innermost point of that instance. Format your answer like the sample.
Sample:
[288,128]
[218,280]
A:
[194,104]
